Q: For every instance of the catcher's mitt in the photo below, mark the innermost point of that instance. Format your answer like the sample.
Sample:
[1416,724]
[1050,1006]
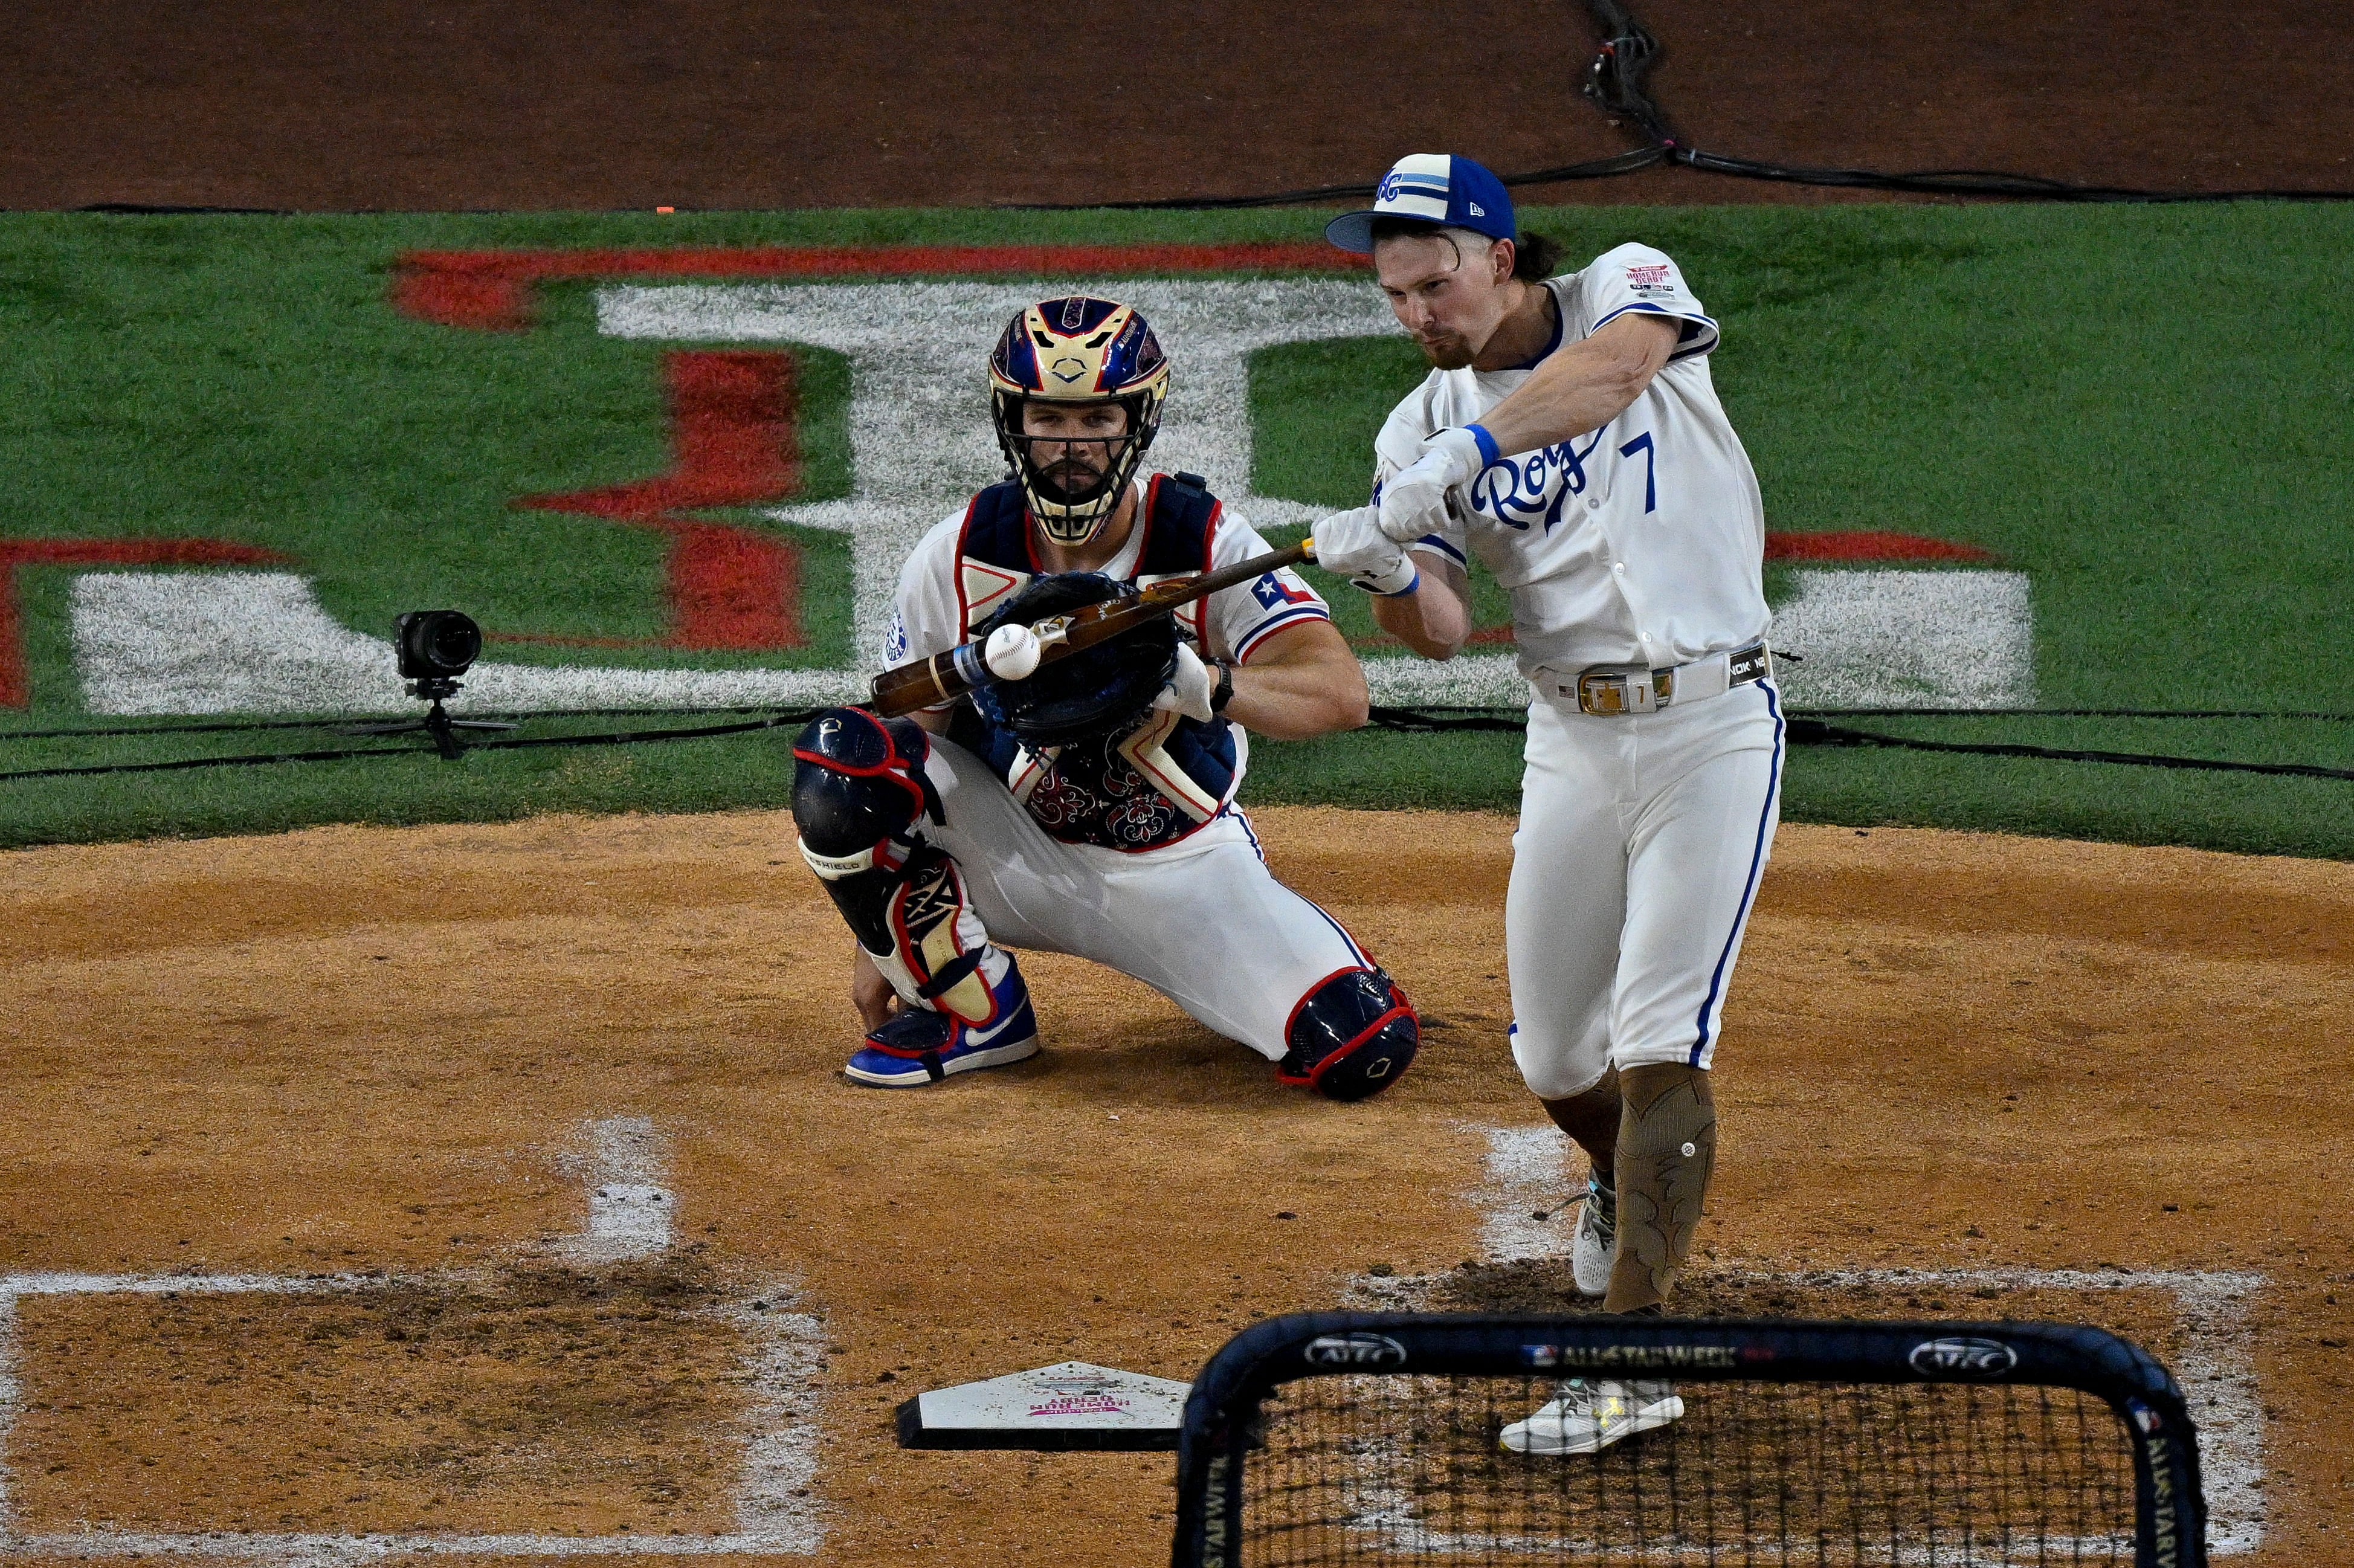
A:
[1100,690]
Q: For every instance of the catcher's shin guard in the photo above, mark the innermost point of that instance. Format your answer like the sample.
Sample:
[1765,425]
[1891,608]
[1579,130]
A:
[1354,1035]
[858,792]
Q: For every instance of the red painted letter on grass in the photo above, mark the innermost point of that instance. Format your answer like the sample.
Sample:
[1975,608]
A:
[732,444]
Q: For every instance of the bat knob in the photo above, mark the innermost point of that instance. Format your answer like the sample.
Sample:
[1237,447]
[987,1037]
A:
[1011,652]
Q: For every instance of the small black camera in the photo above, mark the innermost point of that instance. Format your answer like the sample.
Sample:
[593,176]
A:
[435,644]
[431,648]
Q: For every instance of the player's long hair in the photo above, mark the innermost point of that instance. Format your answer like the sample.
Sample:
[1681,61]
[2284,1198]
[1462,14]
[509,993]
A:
[1535,256]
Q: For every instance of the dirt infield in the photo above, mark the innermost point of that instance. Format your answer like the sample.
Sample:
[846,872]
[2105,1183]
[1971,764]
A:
[448,104]
[383,1101]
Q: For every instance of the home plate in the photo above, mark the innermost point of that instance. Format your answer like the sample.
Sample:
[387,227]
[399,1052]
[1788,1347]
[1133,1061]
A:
[1070,1404]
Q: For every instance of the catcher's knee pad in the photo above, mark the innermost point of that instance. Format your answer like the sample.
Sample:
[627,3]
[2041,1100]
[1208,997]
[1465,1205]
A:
[857,781]
[1351,1036]
[858,791]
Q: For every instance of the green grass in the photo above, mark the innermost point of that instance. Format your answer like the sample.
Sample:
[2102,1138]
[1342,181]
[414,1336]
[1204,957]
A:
[2144,407]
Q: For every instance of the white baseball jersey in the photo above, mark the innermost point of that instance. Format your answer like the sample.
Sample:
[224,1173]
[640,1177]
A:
[1640,542]
[1642,836]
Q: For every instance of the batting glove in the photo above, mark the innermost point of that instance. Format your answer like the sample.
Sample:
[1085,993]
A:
[1189,690]
[1352,545]
[1414,500]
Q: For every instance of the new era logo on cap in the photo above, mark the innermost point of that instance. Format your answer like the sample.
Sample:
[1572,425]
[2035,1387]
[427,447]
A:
[1430,187]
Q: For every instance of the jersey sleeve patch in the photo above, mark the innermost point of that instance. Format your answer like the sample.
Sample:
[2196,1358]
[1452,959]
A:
[1637,278]
[1259,634]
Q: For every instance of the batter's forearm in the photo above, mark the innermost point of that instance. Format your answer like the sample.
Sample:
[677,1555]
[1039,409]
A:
[1433,619]
[1584,387]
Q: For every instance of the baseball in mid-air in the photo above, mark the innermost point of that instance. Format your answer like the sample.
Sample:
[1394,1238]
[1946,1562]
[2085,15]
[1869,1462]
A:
[1011,652]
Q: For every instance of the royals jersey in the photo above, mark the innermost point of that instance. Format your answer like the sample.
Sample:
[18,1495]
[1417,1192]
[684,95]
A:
[1161,781]
[1640,542]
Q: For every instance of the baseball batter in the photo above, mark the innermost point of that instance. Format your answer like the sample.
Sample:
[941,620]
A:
[1568,436]
[1088,805]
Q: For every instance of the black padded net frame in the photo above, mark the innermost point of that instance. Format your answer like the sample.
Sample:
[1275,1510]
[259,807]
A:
[1369,1438]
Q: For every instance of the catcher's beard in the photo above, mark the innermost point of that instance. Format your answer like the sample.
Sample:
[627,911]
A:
[1666,1147]
[1071,482]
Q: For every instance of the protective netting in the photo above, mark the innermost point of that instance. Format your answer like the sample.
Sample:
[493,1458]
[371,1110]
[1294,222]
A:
[1409,1469]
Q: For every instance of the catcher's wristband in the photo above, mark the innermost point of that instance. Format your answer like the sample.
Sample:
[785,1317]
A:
[1224,692]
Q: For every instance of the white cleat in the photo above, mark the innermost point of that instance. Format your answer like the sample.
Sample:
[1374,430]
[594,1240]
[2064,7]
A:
[1593,1247]
[1590,1416]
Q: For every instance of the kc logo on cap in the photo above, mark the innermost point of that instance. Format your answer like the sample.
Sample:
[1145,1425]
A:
[1430,187]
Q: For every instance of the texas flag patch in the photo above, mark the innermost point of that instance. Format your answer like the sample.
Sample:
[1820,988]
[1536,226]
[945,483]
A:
[1275,593]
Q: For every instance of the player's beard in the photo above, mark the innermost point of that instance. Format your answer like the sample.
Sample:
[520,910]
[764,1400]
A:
[1070,481]
[1452,351]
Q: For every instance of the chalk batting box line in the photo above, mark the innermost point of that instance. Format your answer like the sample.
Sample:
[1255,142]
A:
[774,1512]
[630,1217]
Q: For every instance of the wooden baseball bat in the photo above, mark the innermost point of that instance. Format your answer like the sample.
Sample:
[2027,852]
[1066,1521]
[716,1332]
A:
[944,677]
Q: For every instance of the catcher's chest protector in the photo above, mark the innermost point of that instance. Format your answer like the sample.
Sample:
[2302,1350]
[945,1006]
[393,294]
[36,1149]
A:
[1157,783]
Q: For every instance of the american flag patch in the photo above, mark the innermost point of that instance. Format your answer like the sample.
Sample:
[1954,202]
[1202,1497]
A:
[1648,276]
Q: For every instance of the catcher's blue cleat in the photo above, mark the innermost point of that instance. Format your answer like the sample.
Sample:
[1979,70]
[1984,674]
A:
[916,1046]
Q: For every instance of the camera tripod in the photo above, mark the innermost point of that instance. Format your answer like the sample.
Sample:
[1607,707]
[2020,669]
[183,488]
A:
[437,722]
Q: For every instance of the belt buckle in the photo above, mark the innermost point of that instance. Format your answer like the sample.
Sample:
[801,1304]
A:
[1610,689]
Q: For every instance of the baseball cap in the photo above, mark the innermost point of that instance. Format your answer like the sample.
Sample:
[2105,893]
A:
[1431,188]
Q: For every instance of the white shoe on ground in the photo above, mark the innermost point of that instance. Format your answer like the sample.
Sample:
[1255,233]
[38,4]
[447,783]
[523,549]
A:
[1590,1416]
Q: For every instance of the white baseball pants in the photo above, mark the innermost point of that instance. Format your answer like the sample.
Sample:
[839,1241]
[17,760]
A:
[1203,921]
[1641,841]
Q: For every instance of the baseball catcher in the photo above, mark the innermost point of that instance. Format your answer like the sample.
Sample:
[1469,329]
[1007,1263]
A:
[1088,806]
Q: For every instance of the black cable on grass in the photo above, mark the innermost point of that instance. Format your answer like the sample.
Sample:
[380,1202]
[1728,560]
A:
[1425,721]
[1438,717]
[248,725]
[623,737]
[1809,730]
[241,726]
[1805,729]
[523,715]
[1815,732]
[187,762]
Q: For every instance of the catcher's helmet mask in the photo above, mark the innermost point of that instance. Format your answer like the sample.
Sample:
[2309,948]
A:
[1077,352]
[1103,690]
